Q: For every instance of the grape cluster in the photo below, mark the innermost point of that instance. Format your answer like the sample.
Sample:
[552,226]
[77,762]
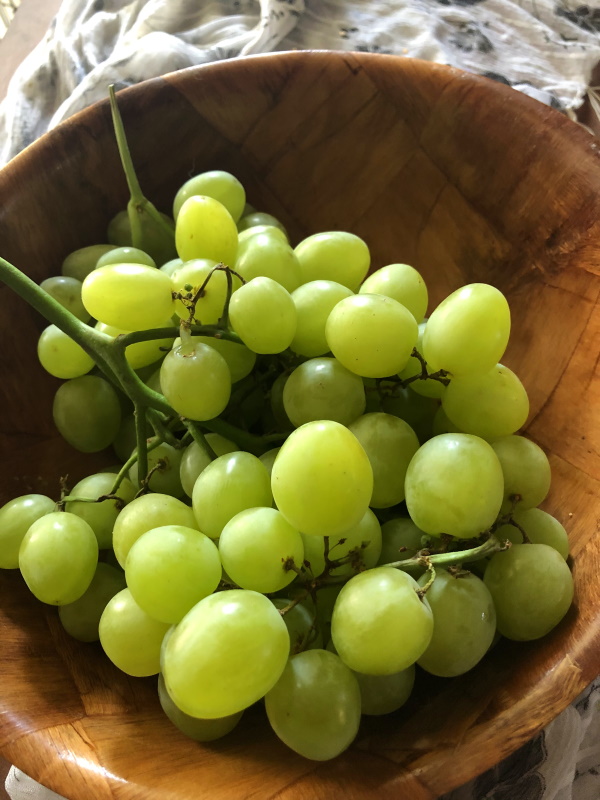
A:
[321,489]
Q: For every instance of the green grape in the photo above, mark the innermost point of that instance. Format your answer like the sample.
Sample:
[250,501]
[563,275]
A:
[468,331]
[256,230]
[201,730]
[401,282]
[282,421]
[489,404]
[314,708]
[263,315]
[441,423]
[323,389]
[80,263]
[100,517]
[81,619]
[209,307]
[166,479]
[239,359]
[301,626]
[125,255]
[454,485]
[397,534]
[171,266]
[220,185]
[130,637]
[67,292]
[196,381]
[170,569]
[256,546]
[334,256]
[380,625]
[195,459]
[87,413]
[390,443]
[371,335]
[268,458]
[322,480]
[540,527]
[16,517]
[205,229]
[254,218]
[383,694]
[140,354]
[154,239]
[267,256]
[61,356]
[427,387]
[532,589]
[314,302]
[464,623]
[153,381]
[230,484]
[418,411]
[225,654]
[145,513]
[364,539]
[526,470]
[58,557]
[128,296]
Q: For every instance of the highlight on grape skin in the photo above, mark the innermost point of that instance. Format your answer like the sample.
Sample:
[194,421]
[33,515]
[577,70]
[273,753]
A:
[323,491]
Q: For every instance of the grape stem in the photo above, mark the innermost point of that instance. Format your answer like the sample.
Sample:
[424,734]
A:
[122,474]
[141,443]
[426,562]
[125,339]
[199,437]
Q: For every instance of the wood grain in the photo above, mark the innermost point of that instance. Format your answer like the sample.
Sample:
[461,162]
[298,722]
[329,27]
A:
[462,177]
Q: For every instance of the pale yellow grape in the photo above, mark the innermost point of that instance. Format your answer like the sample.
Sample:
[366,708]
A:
[125,255]
[87,413]
[128,296]
[170,569]
[380,625]
[263,315]
[454,484]
[195,459]
[67,292]
[209,307]
[254,219]
[81,262]
[130,637]
[427,387]
[364,539]
[102,516]
[322,388]
[255,230]
[225,654]
[61,356]
[371,335]
[390,443]
[205,229]
[230,484]
[489,404]
[171,266]
[267,256]
[196,381]
[255,547]
[268,458]
[526,471]
[140,354]
[16,517]
[201,730]
[144,513]
[468,331]
[165,479]
[81,618]
[239,359]
[314,302]
[402,283]
[322,480]
[540,527]
[334,256]
[218,184]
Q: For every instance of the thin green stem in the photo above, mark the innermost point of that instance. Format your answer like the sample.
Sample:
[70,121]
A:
[155,418]
[141,443]
[125,339]
[124,471]
[247,441]
[490,546]
[199,437]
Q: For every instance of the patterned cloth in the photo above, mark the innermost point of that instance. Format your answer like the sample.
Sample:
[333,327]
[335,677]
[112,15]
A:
[545,48]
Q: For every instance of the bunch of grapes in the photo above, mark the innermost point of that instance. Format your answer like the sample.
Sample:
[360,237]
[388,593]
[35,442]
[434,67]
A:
[318,487]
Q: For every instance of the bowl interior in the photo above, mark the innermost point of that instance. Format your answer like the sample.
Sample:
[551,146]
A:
[464,179]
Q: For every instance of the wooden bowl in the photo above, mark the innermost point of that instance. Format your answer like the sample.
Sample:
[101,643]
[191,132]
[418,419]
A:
[463,178]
